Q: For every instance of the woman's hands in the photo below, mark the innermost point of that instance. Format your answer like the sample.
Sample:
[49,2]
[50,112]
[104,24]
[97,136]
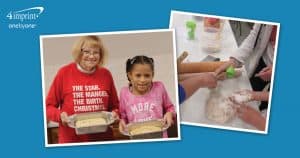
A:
[242,96]
[266,73]
[251,116]
[221,71]
[245,96]
[64,118]
[245,112]
[222,68]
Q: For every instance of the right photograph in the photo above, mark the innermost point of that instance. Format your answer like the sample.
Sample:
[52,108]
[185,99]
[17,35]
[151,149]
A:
[225,70]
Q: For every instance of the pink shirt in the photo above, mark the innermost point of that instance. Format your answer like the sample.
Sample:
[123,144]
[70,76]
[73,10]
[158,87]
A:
[150,106]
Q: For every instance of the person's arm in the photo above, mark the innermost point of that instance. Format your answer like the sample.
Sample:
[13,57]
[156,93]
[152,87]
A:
[113,99]
[239,56]
[265,74]
[54,99]
[185,76]
[260,95]
[245,49]
[244,96]
[201,80]
[251,116]
[123,115]
[168,106]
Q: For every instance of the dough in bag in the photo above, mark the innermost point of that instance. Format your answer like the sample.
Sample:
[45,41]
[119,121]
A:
[219,108]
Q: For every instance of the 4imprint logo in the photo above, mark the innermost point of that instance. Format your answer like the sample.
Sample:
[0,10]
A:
[24,18]
[25,14]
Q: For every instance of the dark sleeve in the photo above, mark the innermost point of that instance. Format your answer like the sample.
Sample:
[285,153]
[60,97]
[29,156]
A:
[181,94]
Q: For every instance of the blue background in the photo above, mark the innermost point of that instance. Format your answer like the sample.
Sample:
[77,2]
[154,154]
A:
[22,131]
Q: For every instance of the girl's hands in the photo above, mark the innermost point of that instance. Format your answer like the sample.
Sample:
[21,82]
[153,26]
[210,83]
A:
[122,126]
[168,119]
[251,116]
[115,115]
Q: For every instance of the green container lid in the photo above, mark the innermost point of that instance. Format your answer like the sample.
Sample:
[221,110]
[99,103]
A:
[230,72]
[191,24]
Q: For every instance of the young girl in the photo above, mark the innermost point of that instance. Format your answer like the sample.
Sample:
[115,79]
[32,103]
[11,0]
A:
[143,99]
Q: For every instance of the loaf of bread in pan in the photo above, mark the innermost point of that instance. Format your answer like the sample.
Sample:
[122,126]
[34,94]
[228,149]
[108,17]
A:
[145,129]
[90,122]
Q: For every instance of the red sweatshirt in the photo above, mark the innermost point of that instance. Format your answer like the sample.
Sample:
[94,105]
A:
[73,91]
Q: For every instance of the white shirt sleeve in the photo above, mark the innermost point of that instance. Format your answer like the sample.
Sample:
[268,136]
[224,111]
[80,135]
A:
[243,52]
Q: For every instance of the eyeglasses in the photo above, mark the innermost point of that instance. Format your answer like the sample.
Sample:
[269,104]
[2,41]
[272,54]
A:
[89,52]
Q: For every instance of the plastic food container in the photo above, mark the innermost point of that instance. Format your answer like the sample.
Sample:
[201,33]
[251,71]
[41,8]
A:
[92,122]
[211,35]
[146,130]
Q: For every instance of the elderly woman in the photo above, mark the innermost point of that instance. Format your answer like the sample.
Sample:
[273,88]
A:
[82,86]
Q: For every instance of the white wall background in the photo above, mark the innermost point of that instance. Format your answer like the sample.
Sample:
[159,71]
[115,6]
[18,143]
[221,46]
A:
[56,52]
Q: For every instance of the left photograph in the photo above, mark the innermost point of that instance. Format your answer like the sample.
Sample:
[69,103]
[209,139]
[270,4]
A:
[112,87]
